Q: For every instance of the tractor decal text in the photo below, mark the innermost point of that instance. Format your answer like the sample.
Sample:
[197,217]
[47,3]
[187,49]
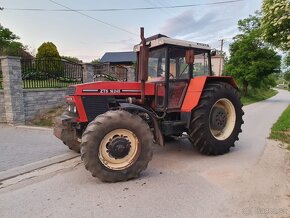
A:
[112,90]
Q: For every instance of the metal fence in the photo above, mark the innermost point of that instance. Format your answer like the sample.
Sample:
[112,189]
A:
[50,73]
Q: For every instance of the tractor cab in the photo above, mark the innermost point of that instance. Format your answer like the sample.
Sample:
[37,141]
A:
[171,64]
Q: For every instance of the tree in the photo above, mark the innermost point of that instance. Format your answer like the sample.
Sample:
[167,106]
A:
[287,60]
[48,63]
[287,76]
[275,23]
[72,59]
[9,44]
[47,51]
[251,61]
[95,61]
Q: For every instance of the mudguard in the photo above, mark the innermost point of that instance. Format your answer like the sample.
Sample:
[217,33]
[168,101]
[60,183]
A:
[158,137]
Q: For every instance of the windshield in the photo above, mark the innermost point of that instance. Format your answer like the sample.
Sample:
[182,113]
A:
[178,68]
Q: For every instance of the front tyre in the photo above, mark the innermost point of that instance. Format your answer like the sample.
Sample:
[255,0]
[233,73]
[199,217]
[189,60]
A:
[216,121]
[117,146]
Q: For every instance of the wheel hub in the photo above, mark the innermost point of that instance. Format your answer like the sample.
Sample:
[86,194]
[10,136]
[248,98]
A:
[218,118]
[118,147]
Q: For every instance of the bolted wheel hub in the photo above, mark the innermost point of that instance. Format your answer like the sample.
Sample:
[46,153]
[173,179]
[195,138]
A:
[218,118]
[118,147]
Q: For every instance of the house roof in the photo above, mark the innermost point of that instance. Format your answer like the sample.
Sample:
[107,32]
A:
[119,57]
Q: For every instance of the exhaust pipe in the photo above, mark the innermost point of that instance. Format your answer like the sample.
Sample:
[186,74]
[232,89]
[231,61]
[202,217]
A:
[143,64]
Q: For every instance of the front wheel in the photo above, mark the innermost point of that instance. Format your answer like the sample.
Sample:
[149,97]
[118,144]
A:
[216,121]
[117,146]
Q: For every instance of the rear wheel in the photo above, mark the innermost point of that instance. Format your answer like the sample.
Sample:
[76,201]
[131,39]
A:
[216,121]
[117,146]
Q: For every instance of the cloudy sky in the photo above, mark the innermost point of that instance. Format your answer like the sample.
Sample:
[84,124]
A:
[89,34]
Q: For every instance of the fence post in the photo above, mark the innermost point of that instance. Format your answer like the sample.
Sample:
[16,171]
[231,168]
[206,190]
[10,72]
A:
[13,92]
[88,73]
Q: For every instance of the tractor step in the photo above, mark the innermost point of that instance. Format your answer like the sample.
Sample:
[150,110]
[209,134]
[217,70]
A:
[170,128]
[183,136]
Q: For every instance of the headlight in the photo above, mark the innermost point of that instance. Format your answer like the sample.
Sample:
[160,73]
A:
[72,108]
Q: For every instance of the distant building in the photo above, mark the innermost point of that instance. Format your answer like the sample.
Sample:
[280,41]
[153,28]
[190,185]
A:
[118,64]
[217,63]
[127,58]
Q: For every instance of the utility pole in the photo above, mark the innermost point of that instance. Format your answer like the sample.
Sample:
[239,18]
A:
[221,57]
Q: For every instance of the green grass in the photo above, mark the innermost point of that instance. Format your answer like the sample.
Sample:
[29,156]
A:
[255,95]
[281,129]
[47,119]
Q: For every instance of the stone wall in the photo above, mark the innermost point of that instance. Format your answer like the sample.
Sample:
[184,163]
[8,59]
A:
[18,105]
[40,100]
[2,108]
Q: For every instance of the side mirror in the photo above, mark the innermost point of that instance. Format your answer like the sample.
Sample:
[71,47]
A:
[213,52]
[189,56]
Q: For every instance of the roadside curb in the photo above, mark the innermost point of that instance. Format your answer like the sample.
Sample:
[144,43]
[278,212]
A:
[32,127]
[8,174]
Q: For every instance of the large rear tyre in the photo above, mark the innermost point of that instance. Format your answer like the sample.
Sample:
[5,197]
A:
[117,146]
[216,121]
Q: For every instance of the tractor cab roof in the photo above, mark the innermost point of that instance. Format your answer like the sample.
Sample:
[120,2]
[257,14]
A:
[159,40]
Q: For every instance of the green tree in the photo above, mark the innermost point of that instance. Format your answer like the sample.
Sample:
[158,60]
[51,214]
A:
[251,61]
[287,60]
[287,76]
[276,23]
[47,50]
[9,44]
[48,63]
[72,59]
[95,61]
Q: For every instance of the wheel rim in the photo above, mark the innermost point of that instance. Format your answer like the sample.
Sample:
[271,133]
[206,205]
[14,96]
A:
[222,119]
[119,149]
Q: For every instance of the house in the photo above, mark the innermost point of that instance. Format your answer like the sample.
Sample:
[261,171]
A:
[118,64]
[217,63]
[127,58]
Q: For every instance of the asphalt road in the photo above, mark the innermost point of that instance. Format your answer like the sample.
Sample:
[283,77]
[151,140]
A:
[179,181]
[20,146]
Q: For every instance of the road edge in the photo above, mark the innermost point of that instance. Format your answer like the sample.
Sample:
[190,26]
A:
[11,173]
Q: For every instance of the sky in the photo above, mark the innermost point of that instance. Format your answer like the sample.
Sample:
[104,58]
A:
[86,37]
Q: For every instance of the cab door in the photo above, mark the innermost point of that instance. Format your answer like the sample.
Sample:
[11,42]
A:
[178,78]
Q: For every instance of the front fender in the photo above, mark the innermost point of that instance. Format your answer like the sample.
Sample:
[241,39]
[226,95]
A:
[158,137]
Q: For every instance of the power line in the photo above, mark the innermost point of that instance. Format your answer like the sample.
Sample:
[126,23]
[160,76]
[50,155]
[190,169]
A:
[93,18]
[121,9]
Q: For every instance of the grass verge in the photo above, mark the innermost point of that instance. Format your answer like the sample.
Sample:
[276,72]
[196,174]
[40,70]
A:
[46,119]
[281,129]
[255,95]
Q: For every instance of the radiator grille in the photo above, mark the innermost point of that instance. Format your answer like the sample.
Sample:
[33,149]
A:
[95,105]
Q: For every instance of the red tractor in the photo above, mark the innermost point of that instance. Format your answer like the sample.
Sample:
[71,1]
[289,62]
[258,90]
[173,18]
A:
[115,124]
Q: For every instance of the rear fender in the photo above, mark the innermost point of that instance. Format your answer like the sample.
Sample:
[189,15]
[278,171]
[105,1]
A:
[196,87]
